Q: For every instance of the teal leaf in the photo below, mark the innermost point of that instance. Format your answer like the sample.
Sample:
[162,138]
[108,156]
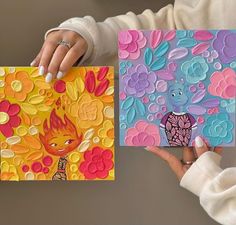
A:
[148,56]
[187,42]
[140,107]
[158,64]
[127,103]
[162,49]
[131,115]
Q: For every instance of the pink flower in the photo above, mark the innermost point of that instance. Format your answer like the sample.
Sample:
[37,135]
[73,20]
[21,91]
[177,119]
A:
[223,84]
[130,44]
[8,117]
[97,163]
[143,134]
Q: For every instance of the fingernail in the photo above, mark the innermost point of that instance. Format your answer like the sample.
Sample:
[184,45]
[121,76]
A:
[199,142]
[60,75]
[41,70]
[33,63]
[150,148]
[48,78]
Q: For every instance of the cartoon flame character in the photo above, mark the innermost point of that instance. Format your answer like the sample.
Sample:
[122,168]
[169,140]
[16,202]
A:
[60,138]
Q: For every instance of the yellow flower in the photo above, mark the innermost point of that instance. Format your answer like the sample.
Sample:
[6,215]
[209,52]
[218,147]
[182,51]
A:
[107,134]
[88,111]
[18,85]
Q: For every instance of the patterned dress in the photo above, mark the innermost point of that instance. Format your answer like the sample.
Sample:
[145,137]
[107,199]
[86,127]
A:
[178,128]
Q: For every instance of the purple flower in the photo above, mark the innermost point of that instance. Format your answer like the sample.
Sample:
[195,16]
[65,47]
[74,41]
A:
[225,45]
[139,81]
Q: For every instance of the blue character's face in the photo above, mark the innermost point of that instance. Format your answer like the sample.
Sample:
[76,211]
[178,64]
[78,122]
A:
[177,95]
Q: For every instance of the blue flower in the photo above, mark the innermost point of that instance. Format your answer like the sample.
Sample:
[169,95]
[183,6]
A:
[195,70]
[218,129]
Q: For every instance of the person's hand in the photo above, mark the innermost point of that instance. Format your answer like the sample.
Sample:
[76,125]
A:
[179,167]
[55,59]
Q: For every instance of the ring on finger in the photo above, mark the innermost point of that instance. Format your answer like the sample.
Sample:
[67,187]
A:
[187,162]
[65,43]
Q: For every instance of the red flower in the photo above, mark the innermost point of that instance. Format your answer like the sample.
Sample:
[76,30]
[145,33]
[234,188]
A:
[97,163]
[8,117]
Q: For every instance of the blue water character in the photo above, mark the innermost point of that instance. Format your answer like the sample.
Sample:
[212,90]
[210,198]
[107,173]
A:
[177,124]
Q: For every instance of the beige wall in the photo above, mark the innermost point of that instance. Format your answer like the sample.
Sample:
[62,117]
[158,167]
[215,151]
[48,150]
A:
[145,191]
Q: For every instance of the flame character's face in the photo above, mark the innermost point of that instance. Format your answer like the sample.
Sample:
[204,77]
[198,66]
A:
[60,138]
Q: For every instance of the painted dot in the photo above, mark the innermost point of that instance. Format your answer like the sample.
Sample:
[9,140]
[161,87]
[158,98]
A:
[74,176]
[153,108]
[74,157]
[159,116]
[209,111]
[60,86]
[160,100]
[217,66]
[29,176]
[33,130]
[122,117]
[214,54]
[47,160]
[145,99]
[40,176]
[45,170]
[150,117]
[192,88]
[21,131]
[201,85]
[206,54]
[233,65]
[73,168]
[96,140]
[36,167]
[223,103]
[200,120]
[164,108]
[123,126]
[210,59]
[129,64]
[25,168]
[122,71]
[2,83]
[122,64]
[109,112]
[122,96]
[152,97]
[172,66]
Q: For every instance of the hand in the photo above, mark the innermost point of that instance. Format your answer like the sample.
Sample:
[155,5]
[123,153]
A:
[189,155]
[55,60]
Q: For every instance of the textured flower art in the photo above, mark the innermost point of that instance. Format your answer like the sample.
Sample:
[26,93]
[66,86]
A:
[177,82]
[143,134]
[130,44]
[139,81]
[63,130]
[223,84]
[218,129]
[195,70]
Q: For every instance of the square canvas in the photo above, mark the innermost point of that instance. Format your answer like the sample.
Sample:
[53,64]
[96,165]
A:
[62,130]
[176,85]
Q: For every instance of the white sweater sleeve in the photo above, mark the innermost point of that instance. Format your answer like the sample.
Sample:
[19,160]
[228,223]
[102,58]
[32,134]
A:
[102,36]
[215,187]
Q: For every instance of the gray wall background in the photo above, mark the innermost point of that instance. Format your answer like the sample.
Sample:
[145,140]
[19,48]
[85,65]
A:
[145,191]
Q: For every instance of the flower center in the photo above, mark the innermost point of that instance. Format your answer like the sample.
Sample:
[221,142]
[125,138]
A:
[110,133]
[4,118]
[16,85]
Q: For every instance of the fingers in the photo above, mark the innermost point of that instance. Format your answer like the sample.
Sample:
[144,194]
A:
[173,162]
[71,58]
[200,146]
[188,154]
[55,62]
[218,150]
[47,54]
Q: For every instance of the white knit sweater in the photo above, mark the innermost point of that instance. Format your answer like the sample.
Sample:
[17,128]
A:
[215,187]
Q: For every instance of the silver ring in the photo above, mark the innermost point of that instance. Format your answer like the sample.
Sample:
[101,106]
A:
[187,162]
[65,43]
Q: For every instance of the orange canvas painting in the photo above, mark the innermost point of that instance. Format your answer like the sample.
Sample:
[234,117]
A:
[62,130]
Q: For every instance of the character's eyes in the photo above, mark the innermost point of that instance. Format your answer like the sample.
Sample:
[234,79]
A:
[180,93]
[53,145]
[173,94]
[68,142]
